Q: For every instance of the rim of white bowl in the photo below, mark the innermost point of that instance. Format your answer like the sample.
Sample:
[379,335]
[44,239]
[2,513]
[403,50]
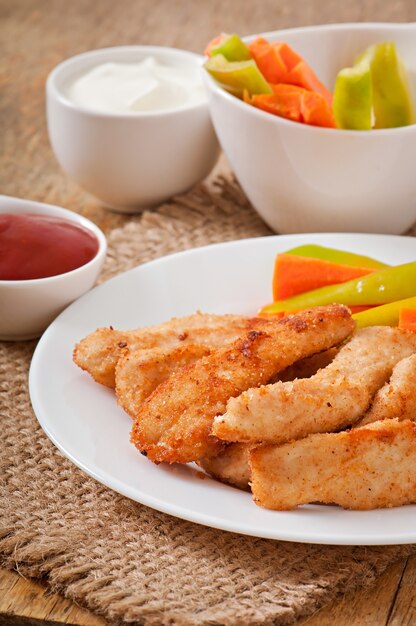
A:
[58,211]
[251,110]
[53,90]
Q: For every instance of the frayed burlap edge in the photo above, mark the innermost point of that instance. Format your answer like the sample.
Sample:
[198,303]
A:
[125,561]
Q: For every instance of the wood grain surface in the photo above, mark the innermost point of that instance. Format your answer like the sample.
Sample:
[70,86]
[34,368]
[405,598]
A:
[35,35]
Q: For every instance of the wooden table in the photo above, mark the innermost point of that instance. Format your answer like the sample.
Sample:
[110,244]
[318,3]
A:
[36,35]
[391,602]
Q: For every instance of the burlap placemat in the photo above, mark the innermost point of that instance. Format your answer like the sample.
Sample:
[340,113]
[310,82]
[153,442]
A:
[121,559]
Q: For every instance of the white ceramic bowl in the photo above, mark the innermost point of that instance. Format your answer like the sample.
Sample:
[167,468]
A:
[27,307]
[135,160]
[303,179]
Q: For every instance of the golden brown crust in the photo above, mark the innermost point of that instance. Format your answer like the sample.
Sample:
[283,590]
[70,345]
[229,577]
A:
[99,352]
[230,466]
[364,468]
[139,372]
[398,396]
[174,424]
[332,399]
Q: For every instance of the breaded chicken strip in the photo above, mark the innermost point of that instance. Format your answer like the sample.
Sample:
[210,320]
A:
[174,423]
[231,465]
[99,352]
[364,468]
[398,397]
[139,372]
[330,400]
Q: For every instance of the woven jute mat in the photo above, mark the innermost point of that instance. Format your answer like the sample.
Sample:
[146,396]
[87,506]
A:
[123,560]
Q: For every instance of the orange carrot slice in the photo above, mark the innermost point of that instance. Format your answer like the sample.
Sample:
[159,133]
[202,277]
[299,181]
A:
[270,64]
[303,76]
[289,57]
[266,315]
[407,319]
[295,274]
[296,104]
[279,63]
[315,110]
[284,102]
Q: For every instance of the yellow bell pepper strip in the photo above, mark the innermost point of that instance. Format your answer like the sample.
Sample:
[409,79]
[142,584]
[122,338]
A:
[237,77]
[380,287]
[353,97]
[313,251]
[392,101]
[230,46]
[386,315]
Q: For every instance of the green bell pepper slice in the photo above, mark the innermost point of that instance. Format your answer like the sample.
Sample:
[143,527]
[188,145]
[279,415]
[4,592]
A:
[232,48]
[353,97]
[392,101]
[386,315]
[341,257]
[385,285]
[374,92]
[237,76]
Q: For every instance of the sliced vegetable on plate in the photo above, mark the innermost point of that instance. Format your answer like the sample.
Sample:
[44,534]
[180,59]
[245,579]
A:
[310,267]
[407,316]
[377,294]
[386,315]
[380,287]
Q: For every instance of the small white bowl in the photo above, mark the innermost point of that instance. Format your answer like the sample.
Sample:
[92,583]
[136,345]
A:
[27,307]
[135,160]
[306,179]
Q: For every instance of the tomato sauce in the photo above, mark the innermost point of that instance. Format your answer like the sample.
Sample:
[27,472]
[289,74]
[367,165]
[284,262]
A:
[37,246]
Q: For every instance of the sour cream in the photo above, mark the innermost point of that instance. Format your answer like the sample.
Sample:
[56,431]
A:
[133,87]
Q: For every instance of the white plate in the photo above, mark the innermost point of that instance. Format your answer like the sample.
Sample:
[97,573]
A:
[85,423]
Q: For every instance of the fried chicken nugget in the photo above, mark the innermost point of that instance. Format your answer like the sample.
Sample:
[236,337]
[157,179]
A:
[397,398]
[332,399]
[139,372]
[363,468]
[230,466]
[99,352]
[174,423]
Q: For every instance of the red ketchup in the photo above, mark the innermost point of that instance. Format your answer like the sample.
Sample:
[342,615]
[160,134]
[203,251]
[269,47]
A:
[37,246]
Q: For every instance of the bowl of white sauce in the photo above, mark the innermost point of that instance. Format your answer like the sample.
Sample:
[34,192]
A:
[131,124]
